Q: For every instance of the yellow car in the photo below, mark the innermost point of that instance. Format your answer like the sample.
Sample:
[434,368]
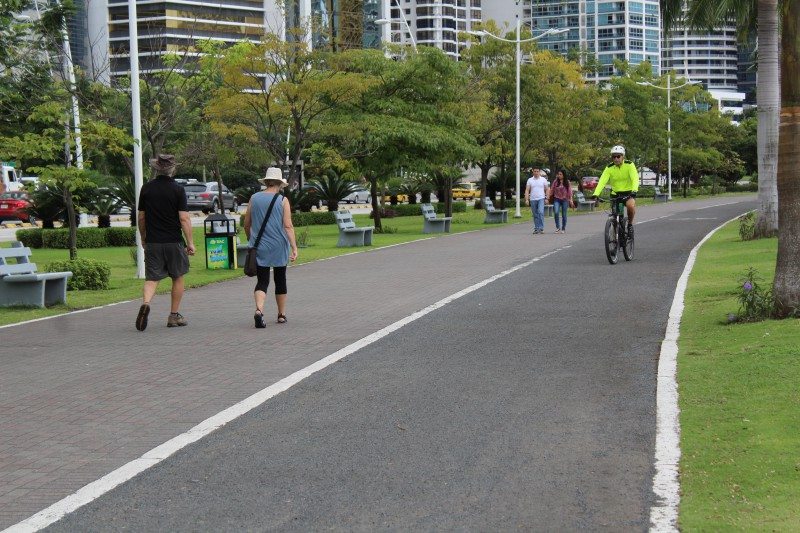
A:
[400,198]
[466,191]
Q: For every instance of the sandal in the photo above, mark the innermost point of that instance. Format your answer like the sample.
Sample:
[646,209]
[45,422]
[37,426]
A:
[281,318]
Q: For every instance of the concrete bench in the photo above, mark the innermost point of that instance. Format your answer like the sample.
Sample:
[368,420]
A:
[21,284]
[659,196]
[582,203]
[494,216]
[349,233]
[549,210]
[433,224]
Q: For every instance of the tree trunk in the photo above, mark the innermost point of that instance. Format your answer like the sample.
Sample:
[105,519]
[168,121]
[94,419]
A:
[73,227]
[485,167]
[103,221]
[376,206]
[768,100]
[786,288]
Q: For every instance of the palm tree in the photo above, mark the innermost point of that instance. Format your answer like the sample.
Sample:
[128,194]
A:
[332,188]
[764,13]
[786,288]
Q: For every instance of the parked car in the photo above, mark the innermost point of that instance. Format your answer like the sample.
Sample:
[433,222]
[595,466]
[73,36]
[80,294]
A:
[588,184]
[205,197]
[466,191]
[357,196]
[13,206]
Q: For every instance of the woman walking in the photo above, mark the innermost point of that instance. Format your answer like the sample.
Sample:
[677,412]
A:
[561,196]
[277,245]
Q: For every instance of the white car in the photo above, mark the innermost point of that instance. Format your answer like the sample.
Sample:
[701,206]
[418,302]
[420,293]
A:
[357,196]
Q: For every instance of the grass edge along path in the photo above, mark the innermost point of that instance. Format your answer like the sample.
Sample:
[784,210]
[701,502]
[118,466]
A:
[739,398]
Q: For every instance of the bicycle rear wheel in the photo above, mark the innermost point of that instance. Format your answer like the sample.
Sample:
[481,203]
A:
[627,247]
[612,245]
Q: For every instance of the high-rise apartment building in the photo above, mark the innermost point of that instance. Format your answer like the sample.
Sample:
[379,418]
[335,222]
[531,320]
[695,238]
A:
[175,27]
[709,57]
[624,30]
[432,22]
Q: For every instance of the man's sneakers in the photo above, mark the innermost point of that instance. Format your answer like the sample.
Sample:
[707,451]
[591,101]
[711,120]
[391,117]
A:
[175,320]
[141,318]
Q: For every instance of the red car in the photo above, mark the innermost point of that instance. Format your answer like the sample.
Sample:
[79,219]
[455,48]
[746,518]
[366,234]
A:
[588,184]
[13,206]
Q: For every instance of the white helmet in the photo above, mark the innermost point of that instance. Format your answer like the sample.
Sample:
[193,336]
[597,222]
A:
[618,149]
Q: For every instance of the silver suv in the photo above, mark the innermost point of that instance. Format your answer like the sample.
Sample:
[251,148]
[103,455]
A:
[205,197]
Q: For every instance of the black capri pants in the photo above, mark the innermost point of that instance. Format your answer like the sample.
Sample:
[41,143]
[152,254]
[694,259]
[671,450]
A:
[263,279]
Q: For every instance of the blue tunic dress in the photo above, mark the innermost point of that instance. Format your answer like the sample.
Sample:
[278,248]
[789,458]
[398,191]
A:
[273,249]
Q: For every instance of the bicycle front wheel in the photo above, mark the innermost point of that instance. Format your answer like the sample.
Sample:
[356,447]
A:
[612,245]
[627,248]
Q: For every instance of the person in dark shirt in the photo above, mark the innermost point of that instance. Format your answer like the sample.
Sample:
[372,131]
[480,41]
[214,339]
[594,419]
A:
[162,218]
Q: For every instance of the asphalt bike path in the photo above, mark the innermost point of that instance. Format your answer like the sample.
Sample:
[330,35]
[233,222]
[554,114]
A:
[510,407]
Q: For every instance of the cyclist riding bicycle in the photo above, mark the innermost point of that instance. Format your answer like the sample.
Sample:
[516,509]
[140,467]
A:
[621,174]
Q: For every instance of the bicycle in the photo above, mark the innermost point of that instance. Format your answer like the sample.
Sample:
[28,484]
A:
[616,232]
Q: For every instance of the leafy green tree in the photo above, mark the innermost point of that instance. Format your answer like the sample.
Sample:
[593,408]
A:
[332,188]
[280,87]
[407,117]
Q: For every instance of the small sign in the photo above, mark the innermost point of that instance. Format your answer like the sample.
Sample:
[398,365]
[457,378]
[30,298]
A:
[217,254]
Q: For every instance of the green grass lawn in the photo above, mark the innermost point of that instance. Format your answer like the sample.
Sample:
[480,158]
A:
[739,390]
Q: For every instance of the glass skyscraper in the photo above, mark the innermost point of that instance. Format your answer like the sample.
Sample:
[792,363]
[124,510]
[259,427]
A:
[621,30]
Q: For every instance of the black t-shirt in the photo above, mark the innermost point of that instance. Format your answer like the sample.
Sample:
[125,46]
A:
[161,199]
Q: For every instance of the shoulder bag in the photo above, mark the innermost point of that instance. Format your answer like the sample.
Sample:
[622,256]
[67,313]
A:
[250,264]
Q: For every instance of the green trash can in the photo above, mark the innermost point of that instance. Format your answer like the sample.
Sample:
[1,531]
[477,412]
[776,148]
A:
[221,242]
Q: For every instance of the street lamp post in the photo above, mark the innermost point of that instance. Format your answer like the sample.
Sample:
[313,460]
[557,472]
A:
[382,21]
[518,60]
[668,88]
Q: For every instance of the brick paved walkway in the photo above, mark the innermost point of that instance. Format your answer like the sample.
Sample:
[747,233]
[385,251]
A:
[83,394]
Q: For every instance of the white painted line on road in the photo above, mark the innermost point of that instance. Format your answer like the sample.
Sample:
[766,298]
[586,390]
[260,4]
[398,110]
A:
[97,488]
[666,485]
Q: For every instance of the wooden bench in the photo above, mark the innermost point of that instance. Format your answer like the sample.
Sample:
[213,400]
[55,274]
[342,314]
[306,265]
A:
[21,284]
[493,216]
[659,196]
[349,234]
[582,203]
[433,224]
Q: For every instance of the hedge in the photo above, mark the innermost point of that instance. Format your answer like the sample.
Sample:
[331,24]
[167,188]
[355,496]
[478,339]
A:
[413,210]
[86,237]
[311,218]
[87,274]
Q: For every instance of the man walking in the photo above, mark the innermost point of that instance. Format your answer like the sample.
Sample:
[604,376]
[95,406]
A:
[536,191]
[162,217]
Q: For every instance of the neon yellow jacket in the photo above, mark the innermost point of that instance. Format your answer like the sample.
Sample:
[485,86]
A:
[622,178]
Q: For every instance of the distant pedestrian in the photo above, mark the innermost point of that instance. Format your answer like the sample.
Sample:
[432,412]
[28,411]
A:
[162,217]
[561,198]
[277,245]
[536,192]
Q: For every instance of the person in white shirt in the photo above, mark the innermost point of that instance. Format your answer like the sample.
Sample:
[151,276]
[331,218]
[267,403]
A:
[536,191]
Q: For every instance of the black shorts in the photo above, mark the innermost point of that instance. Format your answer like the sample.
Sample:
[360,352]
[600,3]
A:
[162,259]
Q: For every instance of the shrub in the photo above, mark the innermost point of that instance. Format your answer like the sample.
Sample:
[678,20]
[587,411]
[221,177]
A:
[313,218]
[86,238]
[755,302]
[32,238]
[87,274]
[747,226]
[120,236]
[458,207]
